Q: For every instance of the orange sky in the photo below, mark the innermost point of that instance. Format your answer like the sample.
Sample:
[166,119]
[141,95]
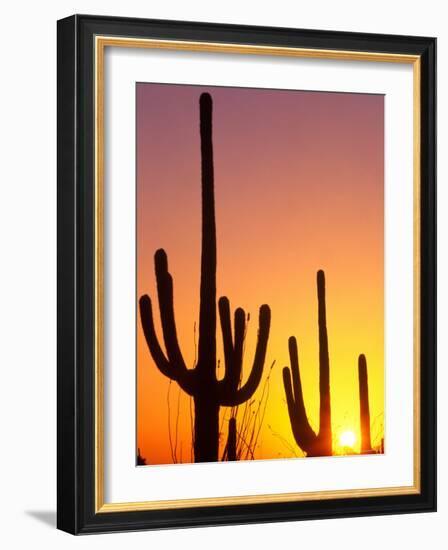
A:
[298,187]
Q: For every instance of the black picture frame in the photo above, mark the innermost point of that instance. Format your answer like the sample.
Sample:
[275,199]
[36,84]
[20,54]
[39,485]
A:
[76,255]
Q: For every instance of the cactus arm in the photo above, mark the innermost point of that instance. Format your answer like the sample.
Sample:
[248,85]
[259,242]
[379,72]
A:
[174,366]
[226,329]
[157,354]
[248,389]
[207,310]
[185,378]
[166,305]
[290,400]
[303,433]
[233,348]
[240,329]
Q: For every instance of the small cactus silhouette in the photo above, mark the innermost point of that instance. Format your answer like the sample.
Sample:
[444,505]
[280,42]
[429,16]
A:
[208,393]
[141,461]
[231,440]
[313,444]
[364,407]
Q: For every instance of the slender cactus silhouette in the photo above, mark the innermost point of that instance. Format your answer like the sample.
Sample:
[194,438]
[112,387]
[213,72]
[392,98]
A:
[201,382]
[364,407]
[313,444]
[231,440]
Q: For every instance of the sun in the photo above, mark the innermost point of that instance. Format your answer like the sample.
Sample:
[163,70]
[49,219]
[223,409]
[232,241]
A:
[347,438]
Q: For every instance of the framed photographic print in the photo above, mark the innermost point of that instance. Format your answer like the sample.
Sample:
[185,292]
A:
[246,274]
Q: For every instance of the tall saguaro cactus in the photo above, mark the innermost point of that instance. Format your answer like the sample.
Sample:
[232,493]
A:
[314,444]
[201,382]
[364,407]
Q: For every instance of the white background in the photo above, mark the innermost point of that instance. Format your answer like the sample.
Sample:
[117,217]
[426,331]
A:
[28,272]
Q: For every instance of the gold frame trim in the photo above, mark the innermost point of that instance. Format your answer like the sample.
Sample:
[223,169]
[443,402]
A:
[101,42]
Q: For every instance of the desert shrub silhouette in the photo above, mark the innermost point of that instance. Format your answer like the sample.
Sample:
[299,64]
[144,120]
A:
[200,382]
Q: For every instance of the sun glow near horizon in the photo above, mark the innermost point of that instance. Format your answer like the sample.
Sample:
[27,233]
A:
[347,439]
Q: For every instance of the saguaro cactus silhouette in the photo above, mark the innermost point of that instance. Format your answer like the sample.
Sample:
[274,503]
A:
[364,407]
[201,382]
[314,444]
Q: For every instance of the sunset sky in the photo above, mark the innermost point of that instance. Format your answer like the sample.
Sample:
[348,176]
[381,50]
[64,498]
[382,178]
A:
[298,188]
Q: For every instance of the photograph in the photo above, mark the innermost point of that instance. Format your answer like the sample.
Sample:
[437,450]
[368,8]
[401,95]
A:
[260,273]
